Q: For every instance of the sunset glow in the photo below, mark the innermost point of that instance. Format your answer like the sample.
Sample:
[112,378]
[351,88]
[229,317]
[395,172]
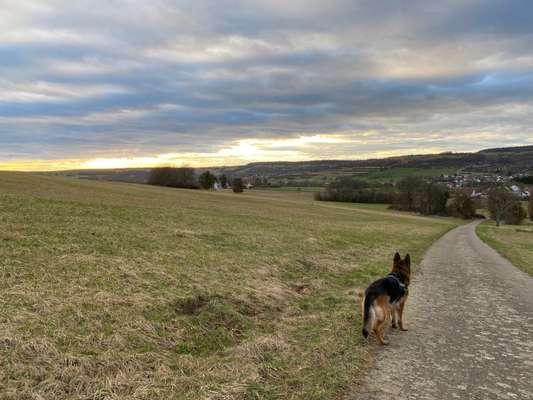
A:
[224,83]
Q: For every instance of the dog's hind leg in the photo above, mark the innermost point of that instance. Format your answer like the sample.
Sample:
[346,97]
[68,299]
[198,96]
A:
[379,334]
[382,310]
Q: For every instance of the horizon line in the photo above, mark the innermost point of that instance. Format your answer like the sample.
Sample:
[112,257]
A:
[237,164]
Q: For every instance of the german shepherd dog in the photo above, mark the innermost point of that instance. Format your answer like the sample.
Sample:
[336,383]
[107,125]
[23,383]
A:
[387,296]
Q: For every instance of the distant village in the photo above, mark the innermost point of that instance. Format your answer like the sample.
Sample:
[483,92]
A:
[475,184]
[478,185]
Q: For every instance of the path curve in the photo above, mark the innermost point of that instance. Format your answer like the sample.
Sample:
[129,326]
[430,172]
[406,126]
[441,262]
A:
[470,320]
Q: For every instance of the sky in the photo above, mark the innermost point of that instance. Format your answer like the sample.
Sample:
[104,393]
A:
[130,83]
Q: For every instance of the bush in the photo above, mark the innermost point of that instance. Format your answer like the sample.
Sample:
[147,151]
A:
[207,180]
[355,196]
[237,185]
[463,206]
[173,177]
[515,214]
[526,180]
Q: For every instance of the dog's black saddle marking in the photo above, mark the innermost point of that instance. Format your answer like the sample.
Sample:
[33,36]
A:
[390,285]
[399,289]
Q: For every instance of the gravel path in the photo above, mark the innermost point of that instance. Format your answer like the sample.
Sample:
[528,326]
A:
[470,321]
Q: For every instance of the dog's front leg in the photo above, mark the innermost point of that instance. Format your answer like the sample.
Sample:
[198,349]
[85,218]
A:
[395,315]
[400,312]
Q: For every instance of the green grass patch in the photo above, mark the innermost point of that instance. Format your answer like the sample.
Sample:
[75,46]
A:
[514,242]
[394,174]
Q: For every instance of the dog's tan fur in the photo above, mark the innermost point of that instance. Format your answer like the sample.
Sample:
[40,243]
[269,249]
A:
[381,309]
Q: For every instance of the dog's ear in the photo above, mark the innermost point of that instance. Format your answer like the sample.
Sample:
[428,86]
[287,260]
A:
[407,259]
[397,258]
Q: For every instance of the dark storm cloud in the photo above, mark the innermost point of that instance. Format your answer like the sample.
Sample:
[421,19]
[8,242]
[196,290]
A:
[108,78]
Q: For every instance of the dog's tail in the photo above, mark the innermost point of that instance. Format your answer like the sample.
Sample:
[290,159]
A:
[367,303]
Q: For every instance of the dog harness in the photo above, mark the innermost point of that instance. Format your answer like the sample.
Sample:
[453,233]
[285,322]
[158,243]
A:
[403,286]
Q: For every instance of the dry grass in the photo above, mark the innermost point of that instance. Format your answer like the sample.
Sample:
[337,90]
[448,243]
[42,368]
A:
[514,242]
[116,291]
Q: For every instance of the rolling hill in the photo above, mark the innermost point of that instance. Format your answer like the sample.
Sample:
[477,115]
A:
[317,173]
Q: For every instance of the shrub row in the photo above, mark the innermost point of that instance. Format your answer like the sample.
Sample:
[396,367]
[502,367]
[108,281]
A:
[356,196]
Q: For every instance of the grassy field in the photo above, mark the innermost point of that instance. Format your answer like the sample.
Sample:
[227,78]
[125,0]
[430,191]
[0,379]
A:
[514,242]
[120,291]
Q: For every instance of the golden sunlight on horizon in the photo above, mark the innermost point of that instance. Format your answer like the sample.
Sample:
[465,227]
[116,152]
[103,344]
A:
[244,151]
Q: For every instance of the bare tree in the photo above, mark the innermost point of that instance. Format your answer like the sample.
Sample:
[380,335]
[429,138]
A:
[408,190]
[432,199]
[530,204]
[499,202]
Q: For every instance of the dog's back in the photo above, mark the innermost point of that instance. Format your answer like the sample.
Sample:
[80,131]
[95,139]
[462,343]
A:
[387,289]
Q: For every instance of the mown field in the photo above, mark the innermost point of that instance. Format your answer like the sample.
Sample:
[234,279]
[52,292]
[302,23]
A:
[373,176]
[120,291]
[514,242]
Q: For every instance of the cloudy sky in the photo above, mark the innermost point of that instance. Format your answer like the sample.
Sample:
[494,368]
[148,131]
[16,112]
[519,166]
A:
[208,82]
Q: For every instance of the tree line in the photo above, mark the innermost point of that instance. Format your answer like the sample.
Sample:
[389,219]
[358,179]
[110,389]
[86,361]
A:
[187,178]
[410,194]
[418,195]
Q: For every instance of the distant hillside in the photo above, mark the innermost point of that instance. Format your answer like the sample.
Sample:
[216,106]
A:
[132,175]
[510,160]
[518,149]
